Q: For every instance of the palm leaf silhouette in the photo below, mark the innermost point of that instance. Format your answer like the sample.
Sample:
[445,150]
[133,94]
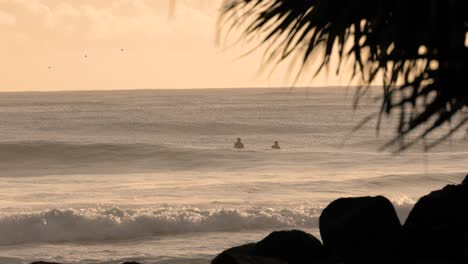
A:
[417,48]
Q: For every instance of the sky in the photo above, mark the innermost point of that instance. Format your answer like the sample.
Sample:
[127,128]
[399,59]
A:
[125,44]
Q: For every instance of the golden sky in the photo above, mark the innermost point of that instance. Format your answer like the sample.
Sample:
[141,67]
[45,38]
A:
[82,42]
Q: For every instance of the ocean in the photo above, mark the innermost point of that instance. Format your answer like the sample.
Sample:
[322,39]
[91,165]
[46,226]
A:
[152,176]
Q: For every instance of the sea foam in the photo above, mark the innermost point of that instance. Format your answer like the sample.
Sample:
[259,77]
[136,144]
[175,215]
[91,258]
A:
[101,224]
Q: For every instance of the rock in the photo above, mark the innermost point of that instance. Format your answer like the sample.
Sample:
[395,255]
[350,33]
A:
[362,230]
[465,181]
[131,262]
[235,255]
[246,259]
[438,225]
[288,247]
[291,246]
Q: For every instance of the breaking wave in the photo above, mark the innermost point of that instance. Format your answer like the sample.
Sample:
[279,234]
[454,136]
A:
[98,224]
[101,224]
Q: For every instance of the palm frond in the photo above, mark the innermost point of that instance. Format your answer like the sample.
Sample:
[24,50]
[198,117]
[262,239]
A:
[417,46]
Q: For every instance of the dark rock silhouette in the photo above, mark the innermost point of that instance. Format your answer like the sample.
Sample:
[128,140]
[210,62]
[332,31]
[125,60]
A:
[465,181]
[235,255]
[361,230]
[367,230]
[292,247]
[247,259]
[437,225]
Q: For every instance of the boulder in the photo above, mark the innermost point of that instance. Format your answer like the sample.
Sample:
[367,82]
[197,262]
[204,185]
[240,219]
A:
[362,230]
[246,259]
[235,255]
[465,181]
[294,247]
[288,247]
[438,225]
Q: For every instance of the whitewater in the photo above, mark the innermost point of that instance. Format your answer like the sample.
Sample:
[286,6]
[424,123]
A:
[151,175]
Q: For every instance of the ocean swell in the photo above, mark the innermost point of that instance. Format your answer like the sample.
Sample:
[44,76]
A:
[37,158]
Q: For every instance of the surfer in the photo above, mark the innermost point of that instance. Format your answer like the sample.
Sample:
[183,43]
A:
[276,145]
[239,144]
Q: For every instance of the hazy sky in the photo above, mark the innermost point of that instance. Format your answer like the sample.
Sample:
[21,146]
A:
[81,40]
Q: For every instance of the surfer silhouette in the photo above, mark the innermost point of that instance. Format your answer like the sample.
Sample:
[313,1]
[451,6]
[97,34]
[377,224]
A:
[276,145]
[239,144]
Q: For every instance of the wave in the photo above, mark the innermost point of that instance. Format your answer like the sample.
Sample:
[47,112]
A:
[45,158]
[62,150]
[212,128]
[407,179]
[36,158]
[98,224]
[101,224]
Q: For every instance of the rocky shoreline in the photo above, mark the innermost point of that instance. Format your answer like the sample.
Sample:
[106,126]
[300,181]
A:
[367,230]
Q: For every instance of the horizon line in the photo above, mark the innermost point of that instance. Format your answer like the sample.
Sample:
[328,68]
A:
[189,89]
